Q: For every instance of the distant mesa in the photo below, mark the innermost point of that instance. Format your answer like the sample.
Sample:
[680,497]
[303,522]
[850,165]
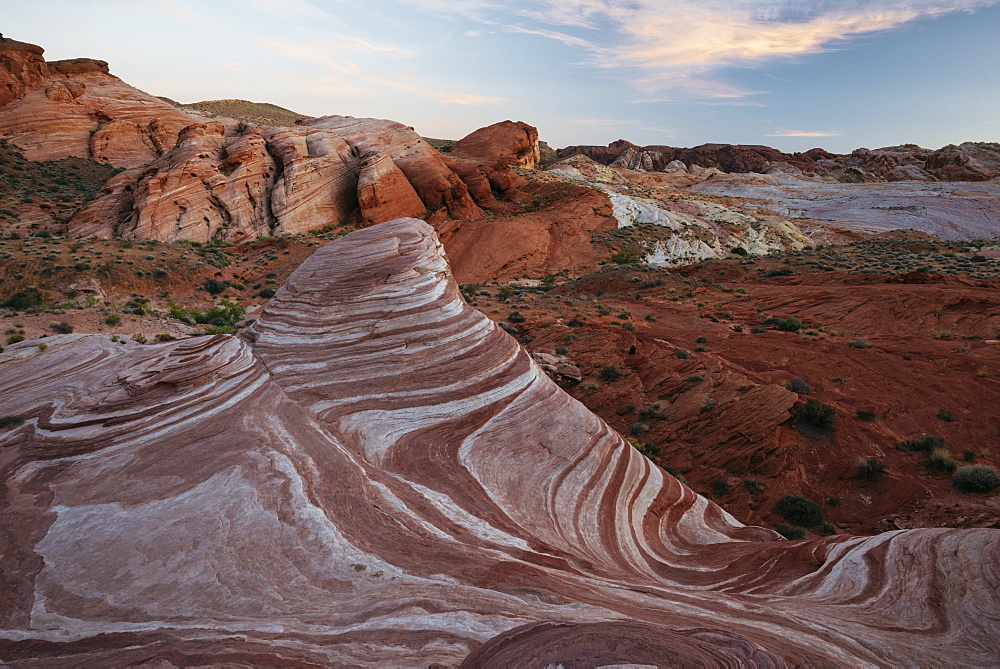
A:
[970,161]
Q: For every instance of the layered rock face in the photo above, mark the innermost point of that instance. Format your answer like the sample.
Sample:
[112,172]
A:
[75,108]
[510,141]
[970,161]
[234,181]
[22,69]
[375,474]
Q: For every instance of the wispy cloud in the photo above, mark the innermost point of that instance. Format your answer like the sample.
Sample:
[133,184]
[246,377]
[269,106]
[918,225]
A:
[803,133]
[679,45]
[321,53]
[603,121]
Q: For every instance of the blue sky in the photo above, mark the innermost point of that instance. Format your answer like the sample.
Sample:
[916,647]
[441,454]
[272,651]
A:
[791,74]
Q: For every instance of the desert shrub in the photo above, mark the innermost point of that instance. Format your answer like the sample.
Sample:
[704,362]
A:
[139,338]
[976,478]
[610,374]
[941,460]
[216,286]
[113,319]
[793,533]
[798,385]
[509,329]
[24,299]
[721,487]
[700,349]
[628,325]
[969,455]
[506,292]
[866,416]
[627,256]
[790,324]
[638,428]
[574,323]
[816,416]
[62,327]
[682,354]
[753,486]
[758,330]
[561,350]
[649,450]
[694,378]
[651,318]
[220,329]
[267,293]
[779,271]
[946,415]
[516,317]
[858,342]
[163,336]
[739,251]
[709,405]
[870,469]
[701,340]
[927,443]
[652,413]
[799,510]
[13,339]
[7,422]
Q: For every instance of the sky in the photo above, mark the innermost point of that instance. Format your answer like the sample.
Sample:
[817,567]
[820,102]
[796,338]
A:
[793,74]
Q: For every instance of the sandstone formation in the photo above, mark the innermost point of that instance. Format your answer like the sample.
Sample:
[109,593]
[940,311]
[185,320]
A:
[375,474]
[237,182]
[510,141]
[75,108]
[22,69]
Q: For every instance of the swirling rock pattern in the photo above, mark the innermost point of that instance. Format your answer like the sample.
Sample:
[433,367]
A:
[376,474]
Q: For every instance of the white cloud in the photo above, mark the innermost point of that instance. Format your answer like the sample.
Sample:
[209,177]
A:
[803,133]
[676,45]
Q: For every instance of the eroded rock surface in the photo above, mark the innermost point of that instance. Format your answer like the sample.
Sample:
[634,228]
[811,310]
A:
[378,475]
[512,141]
[76,108]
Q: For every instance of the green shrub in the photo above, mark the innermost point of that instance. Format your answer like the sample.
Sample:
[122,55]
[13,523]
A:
[267,293]
[793,533]
[683,354]
[627,256]
[652,413]
[7,422]
[798,385]
[649,450]
[790,324]
[638,429]
[139,338]
[858,342]
[753,486]
[13,339]
[946,415]
[816,416]
[926,443]
[574,323]
[779,271]
[866,416]
[163,336]
[61,327]
[24,299]
[509,329]
[220,329]
[610,374]
[799,510]
[976,478]
[941,460]
[113,319]
[870,469]
[216,286]
[516,317]
[739,251]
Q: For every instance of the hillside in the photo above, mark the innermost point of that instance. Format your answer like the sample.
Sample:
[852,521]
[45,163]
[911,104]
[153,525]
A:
[261,113]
